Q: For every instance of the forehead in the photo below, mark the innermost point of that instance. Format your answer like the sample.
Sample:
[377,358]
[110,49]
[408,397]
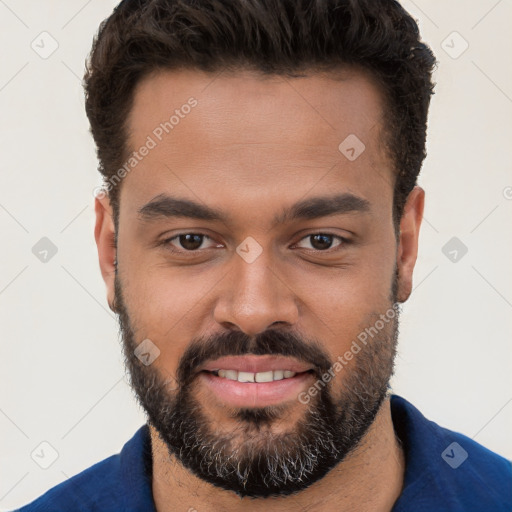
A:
[243,133]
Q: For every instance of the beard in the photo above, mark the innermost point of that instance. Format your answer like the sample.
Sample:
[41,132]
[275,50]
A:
[252,459]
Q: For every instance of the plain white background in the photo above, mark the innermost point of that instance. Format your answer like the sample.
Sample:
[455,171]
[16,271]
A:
[62,376]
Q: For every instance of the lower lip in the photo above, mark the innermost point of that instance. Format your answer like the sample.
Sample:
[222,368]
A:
[256,394]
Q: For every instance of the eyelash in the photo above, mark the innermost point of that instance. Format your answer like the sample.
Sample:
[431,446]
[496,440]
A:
[343,242]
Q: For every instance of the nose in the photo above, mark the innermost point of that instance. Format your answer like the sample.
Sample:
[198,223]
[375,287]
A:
[255,297]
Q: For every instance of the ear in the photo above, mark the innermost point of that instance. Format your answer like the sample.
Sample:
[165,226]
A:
[104,233]
[408,242]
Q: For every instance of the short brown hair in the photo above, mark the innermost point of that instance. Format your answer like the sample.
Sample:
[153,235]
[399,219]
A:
[275,37]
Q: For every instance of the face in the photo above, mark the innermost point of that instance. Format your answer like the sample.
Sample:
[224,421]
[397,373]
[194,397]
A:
[258,266]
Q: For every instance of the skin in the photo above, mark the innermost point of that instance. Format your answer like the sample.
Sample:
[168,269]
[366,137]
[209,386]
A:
[251,147]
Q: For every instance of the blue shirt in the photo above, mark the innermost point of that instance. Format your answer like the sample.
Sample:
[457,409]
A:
[445,471]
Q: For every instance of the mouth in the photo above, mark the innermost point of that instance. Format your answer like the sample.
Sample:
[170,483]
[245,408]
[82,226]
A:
[245,367]
[256,381]
[265,376]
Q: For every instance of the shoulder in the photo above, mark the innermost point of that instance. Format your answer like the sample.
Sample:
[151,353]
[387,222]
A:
[446,469]
[107,485]
[84,491]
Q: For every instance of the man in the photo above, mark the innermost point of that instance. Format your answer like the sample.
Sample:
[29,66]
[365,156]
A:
[258,231]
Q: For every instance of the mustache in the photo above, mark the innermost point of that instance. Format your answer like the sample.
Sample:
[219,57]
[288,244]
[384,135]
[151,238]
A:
[237,343]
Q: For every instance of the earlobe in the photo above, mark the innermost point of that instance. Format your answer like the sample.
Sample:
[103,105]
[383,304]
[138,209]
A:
[410,224]
[104,234]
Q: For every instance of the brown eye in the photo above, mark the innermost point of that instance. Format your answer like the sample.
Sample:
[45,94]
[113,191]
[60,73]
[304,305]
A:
[186,242]
[323,241]
[191,241]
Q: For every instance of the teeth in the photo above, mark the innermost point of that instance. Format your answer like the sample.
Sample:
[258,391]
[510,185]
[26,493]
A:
[278,374]
[264,376]
[228,374]
[246,377]
[231,374]
[268,376]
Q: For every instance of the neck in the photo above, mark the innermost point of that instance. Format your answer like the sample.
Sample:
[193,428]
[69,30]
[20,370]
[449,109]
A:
[369,479]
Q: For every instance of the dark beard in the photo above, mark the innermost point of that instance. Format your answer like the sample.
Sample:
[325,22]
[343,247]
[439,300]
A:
[252,460]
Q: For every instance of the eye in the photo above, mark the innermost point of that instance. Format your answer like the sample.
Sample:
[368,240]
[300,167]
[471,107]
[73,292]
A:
[323,241]
[193,242]
[187,241]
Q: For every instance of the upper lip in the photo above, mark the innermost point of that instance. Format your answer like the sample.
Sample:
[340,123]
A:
[256,364]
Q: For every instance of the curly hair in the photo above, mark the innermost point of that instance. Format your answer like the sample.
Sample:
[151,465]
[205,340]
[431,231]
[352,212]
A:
[280,37]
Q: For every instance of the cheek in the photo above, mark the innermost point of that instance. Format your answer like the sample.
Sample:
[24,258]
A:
[168,307]
[342,303]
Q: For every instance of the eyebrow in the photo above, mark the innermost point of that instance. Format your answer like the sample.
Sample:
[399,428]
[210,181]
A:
[165,206]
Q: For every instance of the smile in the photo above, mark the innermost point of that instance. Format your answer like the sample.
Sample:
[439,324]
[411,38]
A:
[266,376]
